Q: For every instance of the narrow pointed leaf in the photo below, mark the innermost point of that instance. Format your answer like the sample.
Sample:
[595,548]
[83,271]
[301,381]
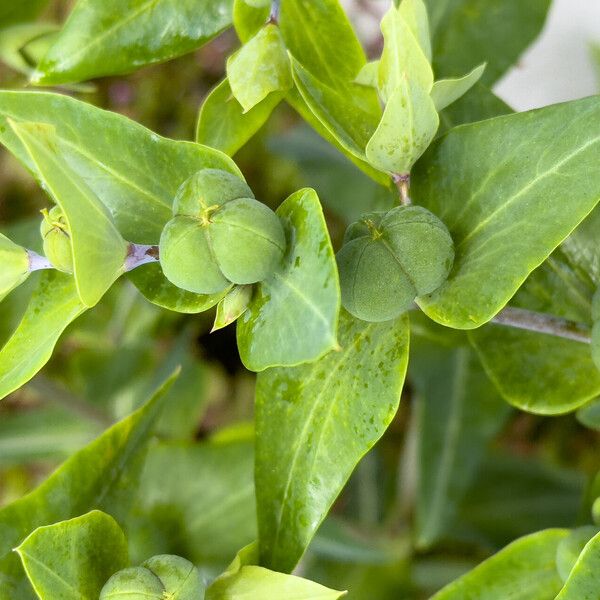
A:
[72,560]
[103,473]
[134,172]
[111,37]
[524,570]
[448,91]
[260,67]
[304,290]
[54,305]
[98,248]
[224,125]
[509,209]
[313,425]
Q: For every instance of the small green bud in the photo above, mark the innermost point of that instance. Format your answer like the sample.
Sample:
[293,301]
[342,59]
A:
[158,578]
[389,259]
[207,189]
[15,266]
[57,239]
[233,306]
[240,242]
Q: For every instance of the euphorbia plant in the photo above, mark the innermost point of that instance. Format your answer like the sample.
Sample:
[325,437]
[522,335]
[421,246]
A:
[482,247]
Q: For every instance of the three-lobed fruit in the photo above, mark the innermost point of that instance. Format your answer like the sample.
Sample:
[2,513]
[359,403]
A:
[157,578]
[57,239]
[15,266]
[218,237]
[390,258]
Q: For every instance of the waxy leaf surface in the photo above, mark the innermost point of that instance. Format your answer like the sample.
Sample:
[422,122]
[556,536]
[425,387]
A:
[510,190]
[313,425]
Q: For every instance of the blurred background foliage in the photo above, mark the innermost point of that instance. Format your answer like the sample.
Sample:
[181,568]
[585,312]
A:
[518,474]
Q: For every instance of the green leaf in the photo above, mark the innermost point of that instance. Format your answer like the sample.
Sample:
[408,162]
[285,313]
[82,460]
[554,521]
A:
[303,291]
[224,125]
[53,306]
[528,164]
[73,559]
[448,91]
[467,32]
[458,412]
[103,473]
[402,56]
[584,580]
[134,172]
[313,425]
[21,45]
[589,415]
[408,126]
[414,13]
[15,266]
[535,372]
[199,499]
[108,37]
[570,548]
[244,580]
[18,12]
[98,249]
[260,67]
[524,570]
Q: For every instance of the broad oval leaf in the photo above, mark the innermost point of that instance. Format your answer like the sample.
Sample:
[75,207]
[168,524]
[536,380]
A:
[535,372]
[224,125]
[72,560]
[313,425]
[508,208]
[304,292]
[103,473]
[584,580]
[112,37]
[98,249]
[134,172]
[54,305]
[524,570]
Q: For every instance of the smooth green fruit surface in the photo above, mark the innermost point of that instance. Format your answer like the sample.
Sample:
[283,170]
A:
[159,578]
[14,269]
[208,188]
[389,259]
[57,240]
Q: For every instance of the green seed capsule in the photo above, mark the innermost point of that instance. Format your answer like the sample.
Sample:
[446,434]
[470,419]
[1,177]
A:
[15,266]
[240,242]
[158,578]
[57,239]
[207,189]
[389,259]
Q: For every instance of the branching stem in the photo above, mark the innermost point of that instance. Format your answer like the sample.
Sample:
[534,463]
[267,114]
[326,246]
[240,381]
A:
[37,262]
[275,12]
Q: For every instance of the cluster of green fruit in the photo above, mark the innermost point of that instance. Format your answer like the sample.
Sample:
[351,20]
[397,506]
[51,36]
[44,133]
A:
[158,578]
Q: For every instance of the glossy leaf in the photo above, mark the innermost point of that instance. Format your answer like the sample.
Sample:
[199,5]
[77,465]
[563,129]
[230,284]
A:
[415,15]
[109,37]
[72,560]
[134,172]
[570,548]
[457,414]
[538,373]
[259,68]
[98,249]
[245,580]
[313,425]
[527,163]
[224,125]
[448,91]
[303,291]
[584,580]
[21,45]
[408,126]
[53,306]
[103,473]
[468,32]
[524,570]
[403,56]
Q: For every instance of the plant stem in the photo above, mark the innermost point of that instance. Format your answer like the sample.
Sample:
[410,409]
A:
[402,181]
[37,262]
[140,254]
[275,11]
[543,323]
